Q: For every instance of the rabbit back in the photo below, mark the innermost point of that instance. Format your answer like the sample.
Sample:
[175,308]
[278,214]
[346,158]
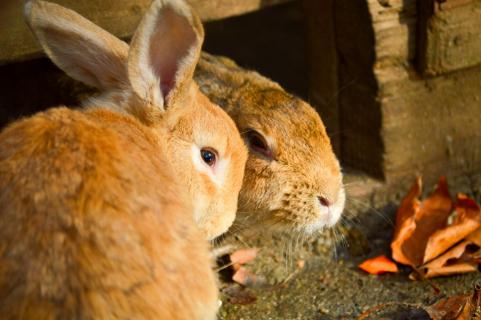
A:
[93,226]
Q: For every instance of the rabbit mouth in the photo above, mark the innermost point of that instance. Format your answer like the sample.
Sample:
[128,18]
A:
[309,219]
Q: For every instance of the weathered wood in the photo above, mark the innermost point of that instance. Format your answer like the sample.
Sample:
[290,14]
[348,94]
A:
[431,126]
[394,26]
[449,36]
[119,17]
[395,123]
[322,59]
[220,9]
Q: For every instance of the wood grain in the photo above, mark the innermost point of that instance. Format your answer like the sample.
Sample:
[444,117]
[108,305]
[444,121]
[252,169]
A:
[119,17]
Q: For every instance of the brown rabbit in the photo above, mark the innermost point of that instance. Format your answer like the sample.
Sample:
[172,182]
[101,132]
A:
[91,55]
[292,177]
[98,207]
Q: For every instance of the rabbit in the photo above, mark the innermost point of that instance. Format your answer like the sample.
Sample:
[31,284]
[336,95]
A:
[105,211]
[83,44]
[293,179]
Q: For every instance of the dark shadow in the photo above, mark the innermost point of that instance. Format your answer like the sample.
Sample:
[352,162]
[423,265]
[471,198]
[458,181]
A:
[417,33]
[363,236]
[411,9]
[28,87]
[270,41]
[360,111]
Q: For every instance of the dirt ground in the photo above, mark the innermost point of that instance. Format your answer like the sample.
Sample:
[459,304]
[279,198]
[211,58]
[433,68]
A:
[330,285]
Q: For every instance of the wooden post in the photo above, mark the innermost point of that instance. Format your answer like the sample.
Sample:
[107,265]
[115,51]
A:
[449,36]
[322,62]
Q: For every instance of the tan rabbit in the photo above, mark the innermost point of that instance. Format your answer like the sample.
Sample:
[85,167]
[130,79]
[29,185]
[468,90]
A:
[92,55]
[292,177]
[98,207]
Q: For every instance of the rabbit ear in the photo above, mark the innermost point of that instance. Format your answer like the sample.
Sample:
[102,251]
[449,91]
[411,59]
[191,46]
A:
[83,50]
[164,52]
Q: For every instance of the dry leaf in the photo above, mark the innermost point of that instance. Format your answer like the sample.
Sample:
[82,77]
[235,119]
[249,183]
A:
[378,265]
[239,295]
[449,308]
[456,258]
[243,256]
[405,223]
[436,236]
[416,221]
[460,307]
[467,218]
[453,261]
[244,299]
[244,277]
[475,237]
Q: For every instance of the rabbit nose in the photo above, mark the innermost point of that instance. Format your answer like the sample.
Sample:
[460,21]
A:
[323,201]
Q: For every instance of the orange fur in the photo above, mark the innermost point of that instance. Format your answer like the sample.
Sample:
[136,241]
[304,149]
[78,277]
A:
[98,208]
[93,226]
[283,192]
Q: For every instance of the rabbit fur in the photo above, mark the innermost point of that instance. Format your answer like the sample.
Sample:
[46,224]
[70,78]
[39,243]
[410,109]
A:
[297,184]
[105,211]
[295,180]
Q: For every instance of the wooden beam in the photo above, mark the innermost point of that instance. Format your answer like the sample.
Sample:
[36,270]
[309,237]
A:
[322,61]
[449,37]
[119,17]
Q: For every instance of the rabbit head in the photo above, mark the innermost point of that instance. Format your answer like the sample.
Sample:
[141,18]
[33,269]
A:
[293,178]
[152,80]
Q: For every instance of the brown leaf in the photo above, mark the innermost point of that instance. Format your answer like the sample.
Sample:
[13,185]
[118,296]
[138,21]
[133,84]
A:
[244,299]
[475,237]
[416,221]
[244,277]
[460,307]
[467,218]
[378,265]
[242,256]
[456,268]
[240,296]
[460,262]
[405,223]
[449,308]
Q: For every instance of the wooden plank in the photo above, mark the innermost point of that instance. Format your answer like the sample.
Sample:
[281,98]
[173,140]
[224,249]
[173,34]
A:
[394,25]
[449,36]
[119,17]
[431,125]
[220,9]
[395,123]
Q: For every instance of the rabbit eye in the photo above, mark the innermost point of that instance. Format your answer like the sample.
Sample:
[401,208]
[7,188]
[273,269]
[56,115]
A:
[209,156]
[258,143]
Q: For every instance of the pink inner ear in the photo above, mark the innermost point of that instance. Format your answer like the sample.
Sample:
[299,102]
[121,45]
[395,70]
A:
[169,46]
[167,84]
